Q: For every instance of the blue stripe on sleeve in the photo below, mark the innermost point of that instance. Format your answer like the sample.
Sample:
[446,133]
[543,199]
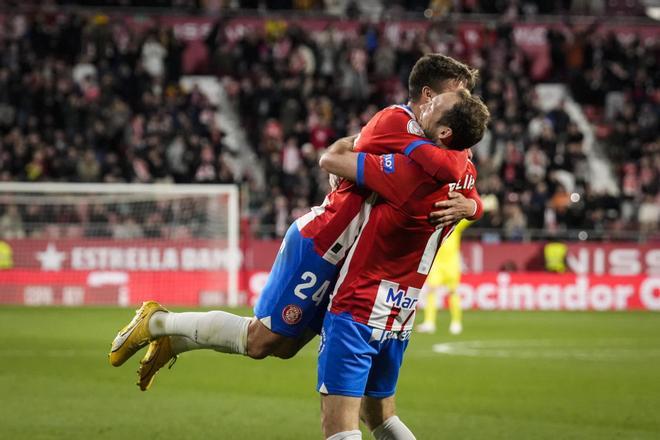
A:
[359,179]
[411,146]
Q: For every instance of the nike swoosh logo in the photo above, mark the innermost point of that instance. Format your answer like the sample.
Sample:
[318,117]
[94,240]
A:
[121,338]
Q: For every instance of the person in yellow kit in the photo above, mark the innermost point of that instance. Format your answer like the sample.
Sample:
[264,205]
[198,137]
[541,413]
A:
[555,257]
[6,256]
[445,274]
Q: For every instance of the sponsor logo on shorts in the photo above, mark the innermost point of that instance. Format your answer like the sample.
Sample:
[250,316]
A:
[292,314]
[383,335]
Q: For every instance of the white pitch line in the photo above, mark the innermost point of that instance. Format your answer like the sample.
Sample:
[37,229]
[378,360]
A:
[548,349]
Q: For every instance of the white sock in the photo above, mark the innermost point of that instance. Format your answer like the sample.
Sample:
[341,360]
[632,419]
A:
[346,435]
[181,344]
[220,331]
[393,429]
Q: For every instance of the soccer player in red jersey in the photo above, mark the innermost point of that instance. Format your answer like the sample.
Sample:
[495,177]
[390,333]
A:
[291,307]
[372,308]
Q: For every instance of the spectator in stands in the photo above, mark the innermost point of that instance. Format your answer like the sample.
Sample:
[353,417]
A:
[127,228]
[649,214]
[88,167]
[11,224]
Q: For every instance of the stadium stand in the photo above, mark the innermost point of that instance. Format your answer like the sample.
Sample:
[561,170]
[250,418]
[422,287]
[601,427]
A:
[86,98]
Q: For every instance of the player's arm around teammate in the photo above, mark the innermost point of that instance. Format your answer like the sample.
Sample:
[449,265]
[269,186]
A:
[340,161]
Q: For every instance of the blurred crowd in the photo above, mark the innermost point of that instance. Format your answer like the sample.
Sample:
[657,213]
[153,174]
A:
[544,180]
[85,100]
[375,8]
[297,92]
[618,84]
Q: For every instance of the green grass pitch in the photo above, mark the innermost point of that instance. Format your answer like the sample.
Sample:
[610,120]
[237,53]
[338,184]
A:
[509,376]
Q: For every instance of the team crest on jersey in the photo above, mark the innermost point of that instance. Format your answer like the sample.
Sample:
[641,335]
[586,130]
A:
[292,314]
[415,128]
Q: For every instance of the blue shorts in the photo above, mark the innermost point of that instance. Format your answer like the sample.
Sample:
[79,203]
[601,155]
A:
[357,360]
[296,294]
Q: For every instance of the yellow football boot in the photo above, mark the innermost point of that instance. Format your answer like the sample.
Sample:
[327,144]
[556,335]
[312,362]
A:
[135,335]
[159,353]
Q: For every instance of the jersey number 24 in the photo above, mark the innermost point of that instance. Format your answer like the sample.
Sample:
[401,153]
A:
[309,282]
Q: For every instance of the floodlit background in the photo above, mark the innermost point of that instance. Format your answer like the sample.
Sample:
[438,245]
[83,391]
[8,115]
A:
[110,112]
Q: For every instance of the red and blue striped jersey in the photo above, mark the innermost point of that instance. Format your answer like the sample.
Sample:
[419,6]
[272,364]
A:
[381,278]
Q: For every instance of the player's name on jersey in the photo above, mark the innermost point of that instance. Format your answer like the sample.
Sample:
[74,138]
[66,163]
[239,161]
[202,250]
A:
[467,182]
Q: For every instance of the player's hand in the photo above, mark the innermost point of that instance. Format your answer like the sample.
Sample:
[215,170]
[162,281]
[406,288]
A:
[334,181]
[452,210]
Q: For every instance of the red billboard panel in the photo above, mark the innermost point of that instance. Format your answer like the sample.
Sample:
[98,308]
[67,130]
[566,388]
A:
[195,273]
[543,291]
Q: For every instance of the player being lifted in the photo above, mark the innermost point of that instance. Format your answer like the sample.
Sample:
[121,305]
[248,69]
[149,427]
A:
[372,308]
[291,307]
[445,274]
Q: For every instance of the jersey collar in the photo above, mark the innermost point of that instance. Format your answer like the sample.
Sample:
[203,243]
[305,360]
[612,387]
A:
[408,110]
